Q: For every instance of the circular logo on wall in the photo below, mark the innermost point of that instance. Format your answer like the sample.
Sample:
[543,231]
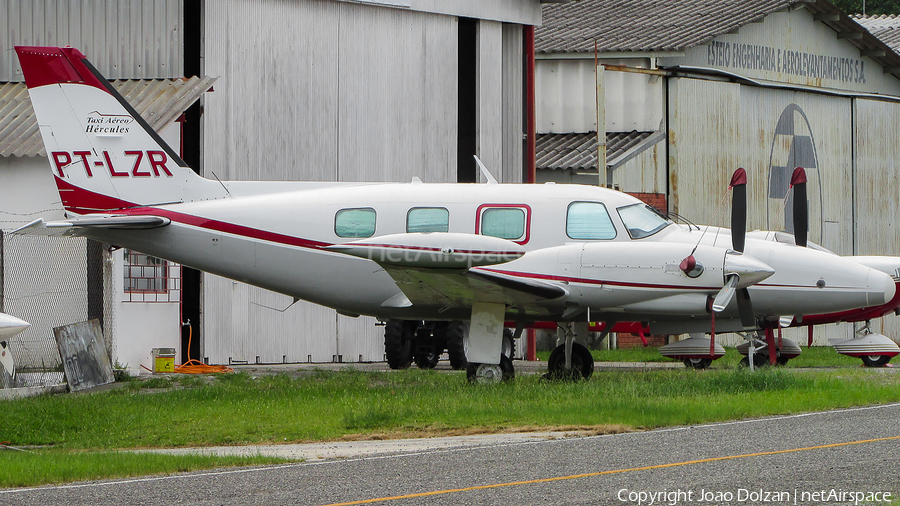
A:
[793,145]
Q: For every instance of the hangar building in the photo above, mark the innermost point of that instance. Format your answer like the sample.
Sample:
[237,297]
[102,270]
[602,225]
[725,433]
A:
[688,95]
[308,89]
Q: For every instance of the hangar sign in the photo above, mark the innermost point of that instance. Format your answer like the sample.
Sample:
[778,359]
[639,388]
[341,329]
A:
[798,63]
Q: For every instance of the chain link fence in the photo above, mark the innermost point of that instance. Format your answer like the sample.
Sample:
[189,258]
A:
[49,282]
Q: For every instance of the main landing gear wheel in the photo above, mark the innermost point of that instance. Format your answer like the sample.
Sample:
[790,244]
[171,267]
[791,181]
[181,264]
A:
[398,342]
[759,360]
[429,346]
[875,360]
[455,334]
[509,344]
[491,373]
[697,363]
[582,363]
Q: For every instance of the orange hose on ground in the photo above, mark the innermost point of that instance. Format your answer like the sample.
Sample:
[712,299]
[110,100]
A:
[197,367]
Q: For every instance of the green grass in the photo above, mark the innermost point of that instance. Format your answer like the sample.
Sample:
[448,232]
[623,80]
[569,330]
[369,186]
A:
[80,430]
[817,356]
[41,467]
[238,409]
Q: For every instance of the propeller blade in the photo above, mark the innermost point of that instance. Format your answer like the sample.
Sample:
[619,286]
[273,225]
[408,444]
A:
[723,298]
[801,207]
[738,186]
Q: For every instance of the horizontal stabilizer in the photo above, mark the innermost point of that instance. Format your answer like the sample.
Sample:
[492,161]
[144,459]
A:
[72,227]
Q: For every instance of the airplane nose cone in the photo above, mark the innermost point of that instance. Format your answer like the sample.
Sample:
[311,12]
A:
[881,288]
[10,326]
[750,270]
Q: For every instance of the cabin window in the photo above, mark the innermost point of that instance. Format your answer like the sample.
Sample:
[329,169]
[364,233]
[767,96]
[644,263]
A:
[642,220]
[355,223]
[589,221]
[503,222]
[428,219]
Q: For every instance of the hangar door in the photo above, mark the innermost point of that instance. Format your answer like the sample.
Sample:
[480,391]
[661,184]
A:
[877,188]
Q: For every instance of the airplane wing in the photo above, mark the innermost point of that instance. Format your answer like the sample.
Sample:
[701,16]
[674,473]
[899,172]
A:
[441,269]
[76,225]
[461,287]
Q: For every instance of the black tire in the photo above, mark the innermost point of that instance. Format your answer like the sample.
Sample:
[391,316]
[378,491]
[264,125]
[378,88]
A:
[509,344]
[398,343]
[427,351]
[781,359]
[697,363]
[759,360]
[506,365]
[582,363]
[456,347]
[875,360]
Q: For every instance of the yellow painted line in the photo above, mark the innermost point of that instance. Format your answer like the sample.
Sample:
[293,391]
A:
[601,473]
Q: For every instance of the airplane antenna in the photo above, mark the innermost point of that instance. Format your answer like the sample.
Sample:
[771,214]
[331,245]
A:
[485,171]
[221,183]
[275,308]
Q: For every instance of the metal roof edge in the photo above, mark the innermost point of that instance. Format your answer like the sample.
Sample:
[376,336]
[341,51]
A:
[159,101]
[689,71]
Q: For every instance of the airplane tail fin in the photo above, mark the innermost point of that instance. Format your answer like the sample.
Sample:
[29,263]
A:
[103,154]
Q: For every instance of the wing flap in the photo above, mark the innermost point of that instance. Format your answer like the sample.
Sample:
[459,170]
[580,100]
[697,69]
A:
[460,288]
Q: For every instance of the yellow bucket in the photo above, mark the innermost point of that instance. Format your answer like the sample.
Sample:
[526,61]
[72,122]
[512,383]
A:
[163,360]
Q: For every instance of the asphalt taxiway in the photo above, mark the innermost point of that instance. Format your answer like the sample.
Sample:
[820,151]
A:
[833,457]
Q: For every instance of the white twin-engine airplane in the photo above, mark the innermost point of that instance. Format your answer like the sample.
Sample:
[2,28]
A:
[486,253]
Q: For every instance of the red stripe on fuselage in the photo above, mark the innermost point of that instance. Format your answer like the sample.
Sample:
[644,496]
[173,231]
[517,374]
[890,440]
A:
[81,201]
[853,315]
[227,228]
[551,277]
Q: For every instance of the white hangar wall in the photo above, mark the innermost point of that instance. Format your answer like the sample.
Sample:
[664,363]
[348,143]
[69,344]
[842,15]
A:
[877,188]
[716,127]
[846,142]
[327,90]
[791,47]
[809,107]
[131,39]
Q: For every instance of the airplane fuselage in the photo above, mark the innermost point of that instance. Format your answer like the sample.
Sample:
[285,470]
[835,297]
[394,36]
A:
[278,240]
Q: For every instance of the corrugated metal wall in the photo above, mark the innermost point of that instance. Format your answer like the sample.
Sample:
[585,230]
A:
[877,188]
[128,39]
[323,91]
[715,127]
[513,98]
[566,91]
[645,173]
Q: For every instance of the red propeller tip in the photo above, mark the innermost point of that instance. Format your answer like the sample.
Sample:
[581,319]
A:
[798,177]
[739,177]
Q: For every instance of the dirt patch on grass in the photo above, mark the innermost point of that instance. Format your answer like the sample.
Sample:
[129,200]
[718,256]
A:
[582,430]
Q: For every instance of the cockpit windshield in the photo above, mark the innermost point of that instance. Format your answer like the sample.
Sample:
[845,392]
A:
[642,220]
